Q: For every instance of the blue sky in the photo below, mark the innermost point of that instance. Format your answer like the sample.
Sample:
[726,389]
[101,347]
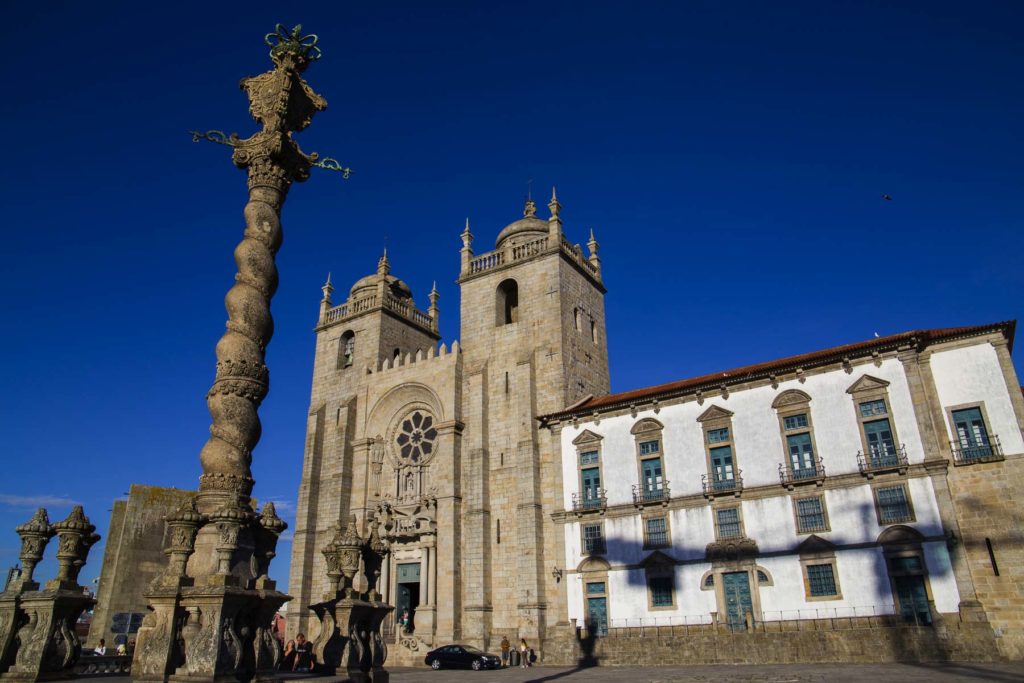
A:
[730,156]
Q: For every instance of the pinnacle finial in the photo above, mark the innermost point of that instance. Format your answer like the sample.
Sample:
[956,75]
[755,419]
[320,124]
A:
[327,288]
[553,205]
[384,265]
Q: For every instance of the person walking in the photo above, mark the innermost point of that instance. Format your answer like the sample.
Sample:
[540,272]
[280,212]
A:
[524,654]
[505,648]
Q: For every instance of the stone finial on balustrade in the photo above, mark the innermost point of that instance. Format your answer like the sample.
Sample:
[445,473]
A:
[267,533]
[35,534]
[555,221]
[342,556]
[182,525]
[74,539]
[229,519]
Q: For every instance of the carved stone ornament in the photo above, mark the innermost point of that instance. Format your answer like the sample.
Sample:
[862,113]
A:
[182,526]
[35,534]
[267,534]
[731,550]
[75,538]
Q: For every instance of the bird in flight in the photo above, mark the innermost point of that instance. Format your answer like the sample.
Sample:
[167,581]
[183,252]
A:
[887,197]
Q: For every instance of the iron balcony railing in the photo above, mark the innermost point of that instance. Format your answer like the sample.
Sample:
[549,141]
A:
[590,499]
[887,457]
[716,486]
[991,451]
[650,494]
[801,475]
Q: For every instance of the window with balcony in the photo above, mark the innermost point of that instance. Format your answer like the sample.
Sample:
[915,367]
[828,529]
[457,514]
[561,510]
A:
[893,504]
[972,442]
[653,486]
[802,464]
[723,475]
[810,514]
[881,448]
[591,495]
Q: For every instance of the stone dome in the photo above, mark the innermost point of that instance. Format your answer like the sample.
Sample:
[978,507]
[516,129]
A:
[368,284]
[527,228]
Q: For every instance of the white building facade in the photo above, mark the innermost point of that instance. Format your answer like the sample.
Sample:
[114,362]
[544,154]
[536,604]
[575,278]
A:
[810,487]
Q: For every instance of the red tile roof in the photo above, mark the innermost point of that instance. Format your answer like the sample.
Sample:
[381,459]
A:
[917,338]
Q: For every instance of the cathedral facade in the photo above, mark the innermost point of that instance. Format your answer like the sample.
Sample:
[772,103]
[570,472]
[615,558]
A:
[440,445]
[875,481]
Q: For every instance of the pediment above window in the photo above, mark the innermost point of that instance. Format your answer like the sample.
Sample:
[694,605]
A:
[900,535]
[715,413]
[648,424]
[594,564]
[587,436]
[867,383]
[791,397]
[815,545]
[657,559]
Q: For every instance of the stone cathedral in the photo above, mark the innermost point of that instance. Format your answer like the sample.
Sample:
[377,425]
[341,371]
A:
[441,446]
[858,503]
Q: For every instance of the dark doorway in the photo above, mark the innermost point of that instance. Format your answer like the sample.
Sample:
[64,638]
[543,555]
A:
[407,594]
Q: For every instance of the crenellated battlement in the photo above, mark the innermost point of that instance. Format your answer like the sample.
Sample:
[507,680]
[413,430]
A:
[418,358]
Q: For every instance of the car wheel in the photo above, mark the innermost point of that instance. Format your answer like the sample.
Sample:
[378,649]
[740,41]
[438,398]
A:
[477,665]
[436,664]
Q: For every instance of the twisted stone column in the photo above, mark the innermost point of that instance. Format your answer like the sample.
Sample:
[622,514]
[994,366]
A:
[283,103]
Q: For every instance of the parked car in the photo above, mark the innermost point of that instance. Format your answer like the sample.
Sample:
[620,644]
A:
[461,656]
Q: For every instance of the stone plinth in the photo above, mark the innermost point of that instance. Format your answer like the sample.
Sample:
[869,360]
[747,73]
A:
[37,633]
[350,642]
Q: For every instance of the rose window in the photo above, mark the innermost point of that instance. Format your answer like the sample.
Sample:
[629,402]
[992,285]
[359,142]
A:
[416,437]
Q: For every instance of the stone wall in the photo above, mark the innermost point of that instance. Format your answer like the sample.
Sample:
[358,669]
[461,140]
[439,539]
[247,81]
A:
[794,642]
[991,522]
[133,556]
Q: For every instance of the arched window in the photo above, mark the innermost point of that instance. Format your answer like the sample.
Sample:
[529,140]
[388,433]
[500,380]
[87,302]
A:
[507,300]
[346,349]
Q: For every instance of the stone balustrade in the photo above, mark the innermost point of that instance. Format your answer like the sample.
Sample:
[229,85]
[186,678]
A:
[352,308]
[519,252]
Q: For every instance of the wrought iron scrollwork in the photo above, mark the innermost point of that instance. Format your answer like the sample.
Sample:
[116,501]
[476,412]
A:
[330,164]
[282,40]
[214,136]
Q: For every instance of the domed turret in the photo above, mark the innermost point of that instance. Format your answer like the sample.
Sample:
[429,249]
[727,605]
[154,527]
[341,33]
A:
[527,228]
[368,284]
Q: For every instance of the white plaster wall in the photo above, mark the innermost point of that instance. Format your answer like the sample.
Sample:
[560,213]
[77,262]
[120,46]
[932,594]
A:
[972,374]
[758,447]
[769,521]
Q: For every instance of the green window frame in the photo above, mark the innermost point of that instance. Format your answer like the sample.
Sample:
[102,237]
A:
[662,589]
[821,580]
[728,523]
[810,515]
[893,505]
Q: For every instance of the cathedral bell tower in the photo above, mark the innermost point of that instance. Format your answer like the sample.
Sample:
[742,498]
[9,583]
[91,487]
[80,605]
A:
[533,340]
